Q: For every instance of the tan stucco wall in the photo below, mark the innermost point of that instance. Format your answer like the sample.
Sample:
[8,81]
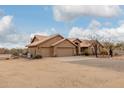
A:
[66,44]
[65,49]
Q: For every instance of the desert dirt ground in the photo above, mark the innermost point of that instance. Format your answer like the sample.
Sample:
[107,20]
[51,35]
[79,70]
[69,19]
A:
[62,72]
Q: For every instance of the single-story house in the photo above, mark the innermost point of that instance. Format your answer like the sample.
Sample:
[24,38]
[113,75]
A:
[54,45]
[57,45]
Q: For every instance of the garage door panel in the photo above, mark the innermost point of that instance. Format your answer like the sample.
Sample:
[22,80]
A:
[62,51]
[45,52]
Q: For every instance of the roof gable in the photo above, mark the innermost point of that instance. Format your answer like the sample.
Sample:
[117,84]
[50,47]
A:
[44,40]
[62,41]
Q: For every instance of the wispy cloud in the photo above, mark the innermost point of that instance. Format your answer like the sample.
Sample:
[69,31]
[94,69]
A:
[115,34]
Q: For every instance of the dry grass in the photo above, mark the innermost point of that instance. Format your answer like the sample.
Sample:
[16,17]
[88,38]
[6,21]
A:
[48,72]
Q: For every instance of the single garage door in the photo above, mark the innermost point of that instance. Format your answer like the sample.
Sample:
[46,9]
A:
[45,52]
[65,51]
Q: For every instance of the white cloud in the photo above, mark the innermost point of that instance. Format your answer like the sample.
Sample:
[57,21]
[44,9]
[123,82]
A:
[115,34]
[39,33]
[5,24]
[107,24]
[9,37]
[67,13]
[47,32]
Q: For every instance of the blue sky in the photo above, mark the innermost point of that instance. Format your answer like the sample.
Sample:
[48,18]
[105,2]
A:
[69,21]
[31,19]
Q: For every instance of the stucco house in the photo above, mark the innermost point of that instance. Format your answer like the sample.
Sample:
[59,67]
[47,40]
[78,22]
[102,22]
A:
[57,45]
[54,45]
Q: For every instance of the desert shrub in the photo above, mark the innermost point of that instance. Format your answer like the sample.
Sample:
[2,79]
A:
[14,52]
[116,54]
[37,57]
[103,51]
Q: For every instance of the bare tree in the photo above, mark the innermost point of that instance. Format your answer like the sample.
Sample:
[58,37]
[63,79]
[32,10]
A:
[95,38]
[109,44]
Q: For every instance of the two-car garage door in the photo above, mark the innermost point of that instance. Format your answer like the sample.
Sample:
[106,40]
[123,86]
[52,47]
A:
[59,51]
[65,51]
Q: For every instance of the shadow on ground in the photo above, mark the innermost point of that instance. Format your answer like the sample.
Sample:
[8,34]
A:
[117,65]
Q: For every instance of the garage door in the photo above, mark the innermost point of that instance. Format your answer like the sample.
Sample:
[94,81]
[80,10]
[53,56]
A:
[65,51]
[45,52]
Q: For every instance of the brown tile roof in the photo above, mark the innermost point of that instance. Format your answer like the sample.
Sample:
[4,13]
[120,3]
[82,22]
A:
[88,43]
[85,43]
[37,42]
[42,40]
[39,37]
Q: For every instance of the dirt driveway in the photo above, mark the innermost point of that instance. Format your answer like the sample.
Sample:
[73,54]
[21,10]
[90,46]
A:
[68,72]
